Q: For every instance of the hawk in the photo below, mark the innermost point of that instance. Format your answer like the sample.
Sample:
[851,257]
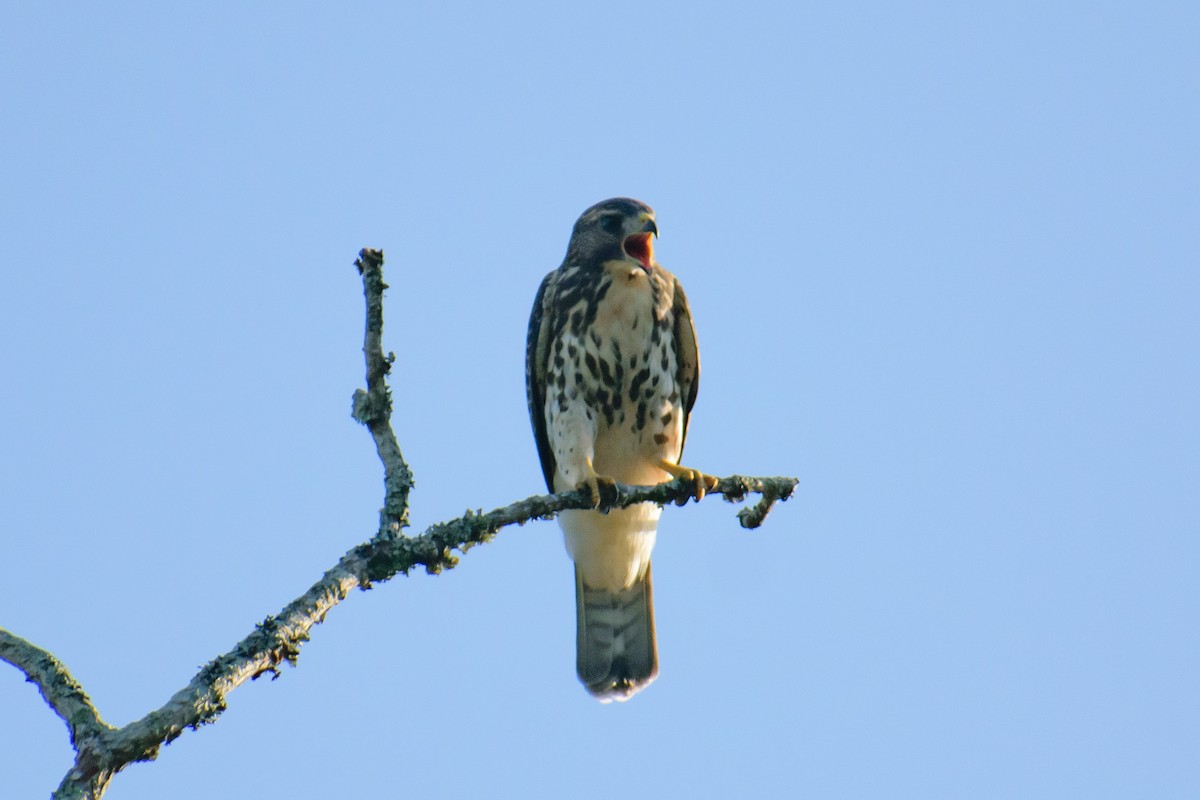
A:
[611,373]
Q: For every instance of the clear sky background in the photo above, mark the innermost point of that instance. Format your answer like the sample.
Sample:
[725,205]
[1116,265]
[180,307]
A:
[944,261]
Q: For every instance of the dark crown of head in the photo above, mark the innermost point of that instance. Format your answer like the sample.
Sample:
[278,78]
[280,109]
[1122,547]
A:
[624,205]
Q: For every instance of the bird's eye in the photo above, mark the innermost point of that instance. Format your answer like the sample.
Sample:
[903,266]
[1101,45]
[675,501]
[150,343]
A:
[611,223]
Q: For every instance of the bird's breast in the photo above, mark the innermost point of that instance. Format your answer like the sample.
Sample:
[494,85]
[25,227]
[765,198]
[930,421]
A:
[635,398]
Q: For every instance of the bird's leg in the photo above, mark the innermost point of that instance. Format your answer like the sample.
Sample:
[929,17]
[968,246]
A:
[592,481]
[703,483]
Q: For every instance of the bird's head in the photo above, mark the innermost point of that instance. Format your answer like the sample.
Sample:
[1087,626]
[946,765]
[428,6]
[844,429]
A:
[620,229]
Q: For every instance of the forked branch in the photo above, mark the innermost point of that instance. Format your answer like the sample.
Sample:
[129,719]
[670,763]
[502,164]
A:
[102,750]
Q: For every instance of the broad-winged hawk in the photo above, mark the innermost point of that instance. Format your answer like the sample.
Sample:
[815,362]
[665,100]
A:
[612,371]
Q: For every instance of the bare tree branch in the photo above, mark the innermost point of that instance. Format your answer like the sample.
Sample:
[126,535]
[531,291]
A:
[102,751]
[61,691]
[373,407]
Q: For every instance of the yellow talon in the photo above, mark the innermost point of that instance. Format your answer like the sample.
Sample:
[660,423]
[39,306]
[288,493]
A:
[593,481]
[703,483]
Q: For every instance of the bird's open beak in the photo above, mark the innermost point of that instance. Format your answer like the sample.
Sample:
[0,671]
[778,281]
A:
[640,245]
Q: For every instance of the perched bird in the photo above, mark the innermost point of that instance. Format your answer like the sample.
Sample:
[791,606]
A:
[611,373]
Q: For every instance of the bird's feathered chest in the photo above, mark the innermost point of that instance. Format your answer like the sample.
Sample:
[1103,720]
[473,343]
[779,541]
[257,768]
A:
[613,347]
[611,373]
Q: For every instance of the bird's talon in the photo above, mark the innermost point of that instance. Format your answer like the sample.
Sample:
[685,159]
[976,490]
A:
[702,484]
[597,487]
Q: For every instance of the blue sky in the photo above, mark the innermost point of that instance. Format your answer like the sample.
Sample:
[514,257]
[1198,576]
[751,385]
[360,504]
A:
[943,261]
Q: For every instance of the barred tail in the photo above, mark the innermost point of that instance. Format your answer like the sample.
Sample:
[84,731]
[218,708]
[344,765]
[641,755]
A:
[616,652]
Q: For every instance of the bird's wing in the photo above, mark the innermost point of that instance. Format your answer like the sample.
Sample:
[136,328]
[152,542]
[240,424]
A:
[687,357]
[537,358]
